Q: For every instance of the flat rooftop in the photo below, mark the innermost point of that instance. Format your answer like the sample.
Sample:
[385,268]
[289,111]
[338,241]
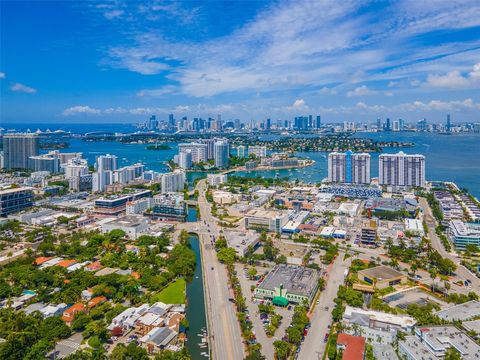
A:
[381,273]
[262,213]
[128,221]
[295,279]
[446,336]
[473,325]
[460,312]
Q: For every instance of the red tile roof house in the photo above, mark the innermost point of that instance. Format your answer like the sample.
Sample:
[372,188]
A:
[42,259]
[94,266]
[96,301]
[353,347]
[66,263]
[69,314]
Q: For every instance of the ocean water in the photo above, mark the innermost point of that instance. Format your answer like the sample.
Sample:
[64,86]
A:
[448,157]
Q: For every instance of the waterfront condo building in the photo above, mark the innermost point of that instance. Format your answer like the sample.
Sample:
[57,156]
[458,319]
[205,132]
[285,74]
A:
[17,150]
[199,151]
[221,154]
[258,151]
[107,163]
[173,181]
[401,170]
[185,159]
[349,167]
[241,151]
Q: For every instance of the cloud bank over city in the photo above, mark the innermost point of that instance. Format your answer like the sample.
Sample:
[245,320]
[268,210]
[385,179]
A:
[356,60]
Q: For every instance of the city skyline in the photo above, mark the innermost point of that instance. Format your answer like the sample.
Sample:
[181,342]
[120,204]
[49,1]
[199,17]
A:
[64,62]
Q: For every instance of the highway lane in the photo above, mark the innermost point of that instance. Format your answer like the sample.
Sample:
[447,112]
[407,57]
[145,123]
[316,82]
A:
[227,342]
[313,346]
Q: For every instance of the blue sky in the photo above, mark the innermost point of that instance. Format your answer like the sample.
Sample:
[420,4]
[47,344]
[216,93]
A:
[352,60]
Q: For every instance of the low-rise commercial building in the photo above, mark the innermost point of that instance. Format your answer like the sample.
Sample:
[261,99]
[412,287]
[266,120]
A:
[14,199]
[242,241]
[434,341]
[132,225]
[462,312]
[116,205]
[463,234]
[378,320]
[382,276]
[270,220]
[289,283]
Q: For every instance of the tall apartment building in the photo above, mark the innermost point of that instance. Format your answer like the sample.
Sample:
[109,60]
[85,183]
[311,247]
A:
[210,147]
[107,162]
[241,151]
[44,162]
[75,167]
[221,154]
[185,159]
[199,151]
[349,167]
[258,151]
[173,181]
[18,148]
[402,170]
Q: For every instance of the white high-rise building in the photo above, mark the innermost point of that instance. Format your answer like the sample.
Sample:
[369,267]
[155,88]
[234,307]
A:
[101,179]
[17,149]
[258,151]
[173,181]
[401,170]
[221,154]
[216,179]
[361,168]
[349,168]
[185,159]
[75,167]
[240,151]
[210,147]
[199,151]
[107,162]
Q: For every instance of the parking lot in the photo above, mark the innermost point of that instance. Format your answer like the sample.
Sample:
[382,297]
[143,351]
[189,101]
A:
[415,296]
[259,323]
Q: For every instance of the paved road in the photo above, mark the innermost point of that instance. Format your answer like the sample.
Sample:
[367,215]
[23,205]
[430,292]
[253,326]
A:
[462,272]
[313,346]
[227,342]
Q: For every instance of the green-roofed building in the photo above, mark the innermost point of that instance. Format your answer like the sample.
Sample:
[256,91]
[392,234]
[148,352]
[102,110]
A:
[289,284]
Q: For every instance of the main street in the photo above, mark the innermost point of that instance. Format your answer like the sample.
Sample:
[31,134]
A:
[225,335]
[313,346]
[462,272]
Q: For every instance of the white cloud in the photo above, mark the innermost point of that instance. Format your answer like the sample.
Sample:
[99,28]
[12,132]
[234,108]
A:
[2,75]
[327,91]
[81,109]
[161,92]
[17,87]
[290,45]
[361,91]
[299,103]
[112,14]
[455,80]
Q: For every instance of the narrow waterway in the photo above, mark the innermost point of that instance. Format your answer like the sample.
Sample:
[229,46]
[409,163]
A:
[196,302]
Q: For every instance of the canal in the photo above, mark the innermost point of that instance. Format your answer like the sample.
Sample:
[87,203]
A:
[196,302]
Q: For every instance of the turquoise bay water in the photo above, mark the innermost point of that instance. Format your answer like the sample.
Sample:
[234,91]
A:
[448,157]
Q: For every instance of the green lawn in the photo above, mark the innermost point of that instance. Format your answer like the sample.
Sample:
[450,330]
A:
[174,293]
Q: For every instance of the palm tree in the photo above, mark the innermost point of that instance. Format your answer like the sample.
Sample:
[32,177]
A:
[433,275]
